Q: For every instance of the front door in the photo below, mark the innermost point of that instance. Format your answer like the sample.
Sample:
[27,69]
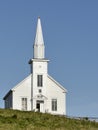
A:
[40,105]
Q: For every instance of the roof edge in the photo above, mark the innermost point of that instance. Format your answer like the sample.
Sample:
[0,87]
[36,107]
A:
[65,90]
[21,82]
[10,91]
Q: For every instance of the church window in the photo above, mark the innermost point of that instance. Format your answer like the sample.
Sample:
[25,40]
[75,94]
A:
[24,104]
[40,91]
[39,80]
[54,104]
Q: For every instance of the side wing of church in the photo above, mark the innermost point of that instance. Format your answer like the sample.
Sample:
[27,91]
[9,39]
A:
[39,91]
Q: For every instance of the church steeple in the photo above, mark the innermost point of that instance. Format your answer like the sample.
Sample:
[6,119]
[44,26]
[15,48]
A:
[39,42]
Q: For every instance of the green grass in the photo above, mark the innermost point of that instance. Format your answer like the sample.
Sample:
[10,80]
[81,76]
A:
[21,120]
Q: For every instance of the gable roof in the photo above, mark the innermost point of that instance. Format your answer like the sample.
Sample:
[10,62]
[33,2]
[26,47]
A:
[65,90]
[11,90]
[21,82]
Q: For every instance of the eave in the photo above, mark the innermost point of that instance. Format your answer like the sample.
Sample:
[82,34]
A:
[7,94]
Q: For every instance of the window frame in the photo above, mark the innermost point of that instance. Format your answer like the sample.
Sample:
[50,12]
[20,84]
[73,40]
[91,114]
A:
[40,80]
[54,104]
[24,101]
[40,90]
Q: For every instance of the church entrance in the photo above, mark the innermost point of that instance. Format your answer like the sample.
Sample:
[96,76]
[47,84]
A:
[40,105]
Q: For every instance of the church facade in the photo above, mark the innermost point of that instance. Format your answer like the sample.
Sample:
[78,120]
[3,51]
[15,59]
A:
[39,91]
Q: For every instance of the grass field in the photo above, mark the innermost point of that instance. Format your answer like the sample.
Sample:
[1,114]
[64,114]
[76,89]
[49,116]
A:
[21,120]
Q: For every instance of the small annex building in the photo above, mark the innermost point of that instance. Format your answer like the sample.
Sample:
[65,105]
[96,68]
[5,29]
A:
[39,91]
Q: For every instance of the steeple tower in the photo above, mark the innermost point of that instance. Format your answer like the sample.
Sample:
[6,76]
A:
[39,42]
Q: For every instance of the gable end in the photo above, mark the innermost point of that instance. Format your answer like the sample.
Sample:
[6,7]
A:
[65,90]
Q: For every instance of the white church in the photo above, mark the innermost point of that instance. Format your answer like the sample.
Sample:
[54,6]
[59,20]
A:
[39,91]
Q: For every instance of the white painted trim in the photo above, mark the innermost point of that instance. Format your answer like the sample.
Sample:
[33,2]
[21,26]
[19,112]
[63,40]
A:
[20,83]
[65,90]
[38,60]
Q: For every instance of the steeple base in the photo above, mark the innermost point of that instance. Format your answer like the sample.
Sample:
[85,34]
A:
[39,52]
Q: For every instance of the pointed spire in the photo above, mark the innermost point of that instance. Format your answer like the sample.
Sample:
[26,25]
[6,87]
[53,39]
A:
[39,48]
[39,35]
